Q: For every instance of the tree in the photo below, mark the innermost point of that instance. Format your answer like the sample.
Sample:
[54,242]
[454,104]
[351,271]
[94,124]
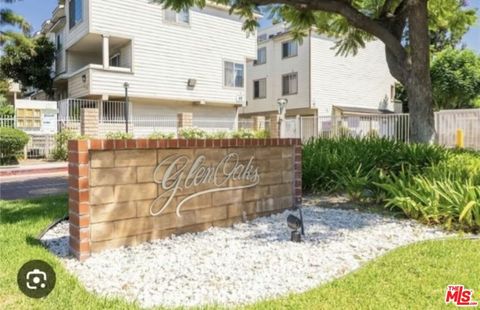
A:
[30,66]
[10,18]
[402,25]
[25,59]
[455,79]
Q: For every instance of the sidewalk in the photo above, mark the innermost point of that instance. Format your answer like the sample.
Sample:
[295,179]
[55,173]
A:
[34,169]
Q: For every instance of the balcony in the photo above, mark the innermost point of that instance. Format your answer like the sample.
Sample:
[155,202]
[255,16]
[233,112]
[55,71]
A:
[94,64]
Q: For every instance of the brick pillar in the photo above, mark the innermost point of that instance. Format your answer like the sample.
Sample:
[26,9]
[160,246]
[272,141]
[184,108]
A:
[297,165]
[274,126]
[184,120]
[258,122]
[78,199]
[89,122]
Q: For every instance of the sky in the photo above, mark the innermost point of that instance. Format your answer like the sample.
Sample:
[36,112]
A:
[37,11]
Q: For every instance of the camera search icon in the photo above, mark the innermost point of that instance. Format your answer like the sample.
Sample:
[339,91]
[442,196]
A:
[36,279]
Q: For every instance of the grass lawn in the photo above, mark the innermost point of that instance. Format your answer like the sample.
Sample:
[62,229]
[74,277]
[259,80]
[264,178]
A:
[411,277]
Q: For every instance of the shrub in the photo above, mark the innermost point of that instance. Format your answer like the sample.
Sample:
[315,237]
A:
[261,134]
[435,198]
[60,151]
[192,133]
[243,134]
[119,135]
[426,182]
[12,142]
[218,135]
[161,135]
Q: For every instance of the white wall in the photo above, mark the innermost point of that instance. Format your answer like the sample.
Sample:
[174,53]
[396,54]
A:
[166,55]
[81,29]
[362,80]
[273,70]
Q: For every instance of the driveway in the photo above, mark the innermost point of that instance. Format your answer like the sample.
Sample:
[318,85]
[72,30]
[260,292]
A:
[20,187]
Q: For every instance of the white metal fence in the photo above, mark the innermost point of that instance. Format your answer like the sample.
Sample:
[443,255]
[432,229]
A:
[391,126]
[447,122]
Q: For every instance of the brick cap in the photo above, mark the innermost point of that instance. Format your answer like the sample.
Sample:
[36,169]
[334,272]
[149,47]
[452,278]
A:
[107,144]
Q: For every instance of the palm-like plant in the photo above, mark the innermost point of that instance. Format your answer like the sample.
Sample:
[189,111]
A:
[10,18]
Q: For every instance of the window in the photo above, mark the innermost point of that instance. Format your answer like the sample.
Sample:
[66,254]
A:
[75,12]
[115,60]
[260,89]
[28,118]
[233,74]
[261,56]
[182,17]
[261,38]
[289,49]
[58,42]
[289,84]
[392,92]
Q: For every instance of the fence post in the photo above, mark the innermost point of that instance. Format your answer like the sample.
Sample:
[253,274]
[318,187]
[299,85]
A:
[274,125]
[89,122]
[184,120]
[298,126]
[258,122]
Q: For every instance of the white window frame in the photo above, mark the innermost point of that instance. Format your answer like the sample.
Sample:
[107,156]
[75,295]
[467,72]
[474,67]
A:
[74,23]
[259,89]
[290,43]
[284,93]
[234,72]
[257,62]
[116,55]
[177,20]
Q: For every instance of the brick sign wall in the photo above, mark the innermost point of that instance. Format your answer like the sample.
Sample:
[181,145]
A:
[125,192]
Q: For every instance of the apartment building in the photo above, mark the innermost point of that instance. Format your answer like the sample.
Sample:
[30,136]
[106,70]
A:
[190,61]
[313,79]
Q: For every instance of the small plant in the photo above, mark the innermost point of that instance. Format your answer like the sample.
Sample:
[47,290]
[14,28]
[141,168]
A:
[119,135]
[218,135]
[12,142]
[161,135]
[192,133]
[243,134]
[261,134]
[60,151]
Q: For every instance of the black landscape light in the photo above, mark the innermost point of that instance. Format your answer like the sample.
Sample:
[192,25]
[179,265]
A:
[295,223]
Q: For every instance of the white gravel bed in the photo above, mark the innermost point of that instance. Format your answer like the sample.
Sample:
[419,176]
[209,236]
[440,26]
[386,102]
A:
[242,264]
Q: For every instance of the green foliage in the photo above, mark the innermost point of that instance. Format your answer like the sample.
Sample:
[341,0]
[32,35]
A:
[192,133]
[455,79]
[243,134]
[218,135]
[425,182]
[60,151]
[119,135]
[6,109]
[261,134]
[197,133]
[161,135]
[29,65]
[12,142]
[448,21]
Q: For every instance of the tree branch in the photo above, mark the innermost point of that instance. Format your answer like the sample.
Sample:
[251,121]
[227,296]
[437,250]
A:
[352,15]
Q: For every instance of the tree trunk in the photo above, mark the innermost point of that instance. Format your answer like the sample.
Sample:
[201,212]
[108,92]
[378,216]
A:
[418,83]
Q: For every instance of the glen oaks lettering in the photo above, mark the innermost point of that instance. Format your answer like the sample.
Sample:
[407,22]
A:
[181,173]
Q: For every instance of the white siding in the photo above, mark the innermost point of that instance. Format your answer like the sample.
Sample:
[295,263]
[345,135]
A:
[149,109]
[273,71]
[362,80]
[79,30]
[76,87]
[165,56]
